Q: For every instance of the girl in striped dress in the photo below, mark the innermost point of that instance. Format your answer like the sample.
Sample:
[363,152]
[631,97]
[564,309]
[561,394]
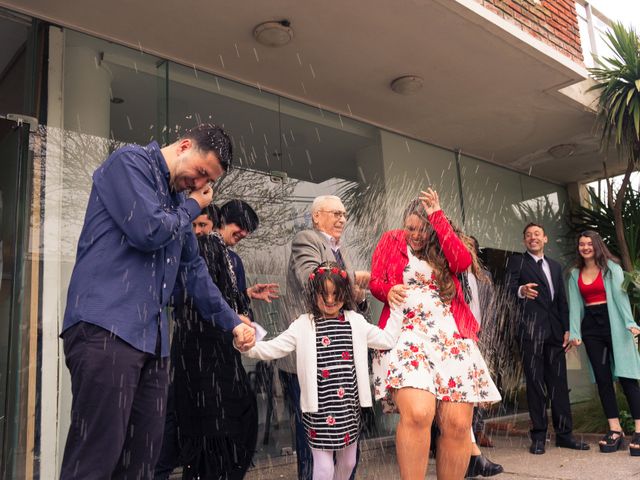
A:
[331,342]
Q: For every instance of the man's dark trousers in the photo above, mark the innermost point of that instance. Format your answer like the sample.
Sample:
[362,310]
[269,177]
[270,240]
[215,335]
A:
[545,370]
[118,408]
[169,457]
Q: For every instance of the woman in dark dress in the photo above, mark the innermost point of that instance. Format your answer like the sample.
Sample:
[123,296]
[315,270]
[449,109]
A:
[216,408]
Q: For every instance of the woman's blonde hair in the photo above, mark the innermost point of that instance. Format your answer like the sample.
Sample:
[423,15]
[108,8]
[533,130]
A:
[432,253]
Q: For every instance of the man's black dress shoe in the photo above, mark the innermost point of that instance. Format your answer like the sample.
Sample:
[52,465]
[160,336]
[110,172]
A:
[481,466]
[572,443]
[537,447]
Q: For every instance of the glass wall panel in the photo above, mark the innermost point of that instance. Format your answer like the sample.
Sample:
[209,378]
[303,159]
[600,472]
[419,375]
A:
[490,193]
[547,204]
[411,166]
[110,98]
[19,400]
[286,154]
[251,117]
[327,154]
[101,95]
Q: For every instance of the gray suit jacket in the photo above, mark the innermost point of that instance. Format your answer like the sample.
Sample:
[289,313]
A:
[309,249]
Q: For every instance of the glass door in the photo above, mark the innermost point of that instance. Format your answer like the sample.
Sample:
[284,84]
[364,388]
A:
[14,143]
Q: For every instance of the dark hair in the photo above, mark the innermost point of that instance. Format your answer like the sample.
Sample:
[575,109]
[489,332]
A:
[316,286]
[600,251]
[211,138]
[472,245]
[213,213]
[531,224]
[240,213]
[432,253]
[416,208]
[476,244]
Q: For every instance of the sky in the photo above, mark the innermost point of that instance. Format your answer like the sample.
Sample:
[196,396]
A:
[628,11]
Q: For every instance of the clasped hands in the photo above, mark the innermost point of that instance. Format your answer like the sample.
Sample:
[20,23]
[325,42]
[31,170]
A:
[244,335]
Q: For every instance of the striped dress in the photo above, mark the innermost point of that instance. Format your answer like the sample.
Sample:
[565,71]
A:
[336,424]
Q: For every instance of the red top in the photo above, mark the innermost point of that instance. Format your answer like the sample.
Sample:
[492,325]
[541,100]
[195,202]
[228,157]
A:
[390,258]
[593,292]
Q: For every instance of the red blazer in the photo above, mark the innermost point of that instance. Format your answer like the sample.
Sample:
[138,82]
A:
[390,258]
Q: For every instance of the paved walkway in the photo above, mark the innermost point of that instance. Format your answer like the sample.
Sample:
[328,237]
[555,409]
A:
[378,463]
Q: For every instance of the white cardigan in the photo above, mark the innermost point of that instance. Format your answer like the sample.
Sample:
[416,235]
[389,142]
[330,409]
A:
[301,337]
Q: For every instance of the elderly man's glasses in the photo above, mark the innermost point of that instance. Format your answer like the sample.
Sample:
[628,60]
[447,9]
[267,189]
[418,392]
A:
[337,214]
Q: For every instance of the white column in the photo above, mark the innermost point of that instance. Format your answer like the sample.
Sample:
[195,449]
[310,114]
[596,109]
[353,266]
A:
[77,133]
[86,91]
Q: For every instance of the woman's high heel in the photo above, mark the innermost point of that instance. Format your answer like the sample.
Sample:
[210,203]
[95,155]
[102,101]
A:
[635,440]
[613,443]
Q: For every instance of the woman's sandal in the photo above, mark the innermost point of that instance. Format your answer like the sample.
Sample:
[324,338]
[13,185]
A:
[613,443]
[635,440]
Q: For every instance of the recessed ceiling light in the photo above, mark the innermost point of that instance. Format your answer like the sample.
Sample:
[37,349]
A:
[563,150]
[273,34]
[407,84]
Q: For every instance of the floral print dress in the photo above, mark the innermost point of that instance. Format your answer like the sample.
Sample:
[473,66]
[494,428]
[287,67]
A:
[430,353]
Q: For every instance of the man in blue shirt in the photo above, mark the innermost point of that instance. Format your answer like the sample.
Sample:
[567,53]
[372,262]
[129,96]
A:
[135,240]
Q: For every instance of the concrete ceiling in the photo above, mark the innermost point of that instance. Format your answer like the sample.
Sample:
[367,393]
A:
[486,91]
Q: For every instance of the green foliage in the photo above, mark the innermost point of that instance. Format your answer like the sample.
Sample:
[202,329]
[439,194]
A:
[618,82]
[589,417]
[632,286]
[599,217]
[544,210]
[627,422]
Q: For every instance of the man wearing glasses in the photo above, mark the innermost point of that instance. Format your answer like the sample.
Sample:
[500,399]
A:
[135,241]
[309,249]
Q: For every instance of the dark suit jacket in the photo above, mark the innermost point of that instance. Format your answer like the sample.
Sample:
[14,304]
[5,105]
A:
[543,318]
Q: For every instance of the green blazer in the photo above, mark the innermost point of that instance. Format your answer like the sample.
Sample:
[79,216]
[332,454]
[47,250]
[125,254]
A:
[626,359]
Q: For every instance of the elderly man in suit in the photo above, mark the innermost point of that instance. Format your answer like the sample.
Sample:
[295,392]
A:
[543,330]
[309,249]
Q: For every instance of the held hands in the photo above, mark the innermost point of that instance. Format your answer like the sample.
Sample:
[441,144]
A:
[566,344]
[203,195]
[430,200]
[576,342]
[529,291]
[244,336]
[397,294]
[264,291]
[635,331]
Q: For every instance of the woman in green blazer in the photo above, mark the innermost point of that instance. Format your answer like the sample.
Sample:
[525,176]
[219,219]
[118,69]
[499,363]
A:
[600,316]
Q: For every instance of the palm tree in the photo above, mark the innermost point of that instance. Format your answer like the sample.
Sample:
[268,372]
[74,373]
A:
[618,82]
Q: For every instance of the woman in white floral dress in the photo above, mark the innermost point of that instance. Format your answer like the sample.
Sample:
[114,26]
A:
[435,370]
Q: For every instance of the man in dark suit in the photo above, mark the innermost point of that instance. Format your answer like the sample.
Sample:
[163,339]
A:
[543,333]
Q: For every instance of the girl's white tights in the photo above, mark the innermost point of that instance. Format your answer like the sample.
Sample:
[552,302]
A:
[323,467]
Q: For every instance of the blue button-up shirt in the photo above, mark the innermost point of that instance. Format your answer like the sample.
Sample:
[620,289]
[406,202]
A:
[136,238]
